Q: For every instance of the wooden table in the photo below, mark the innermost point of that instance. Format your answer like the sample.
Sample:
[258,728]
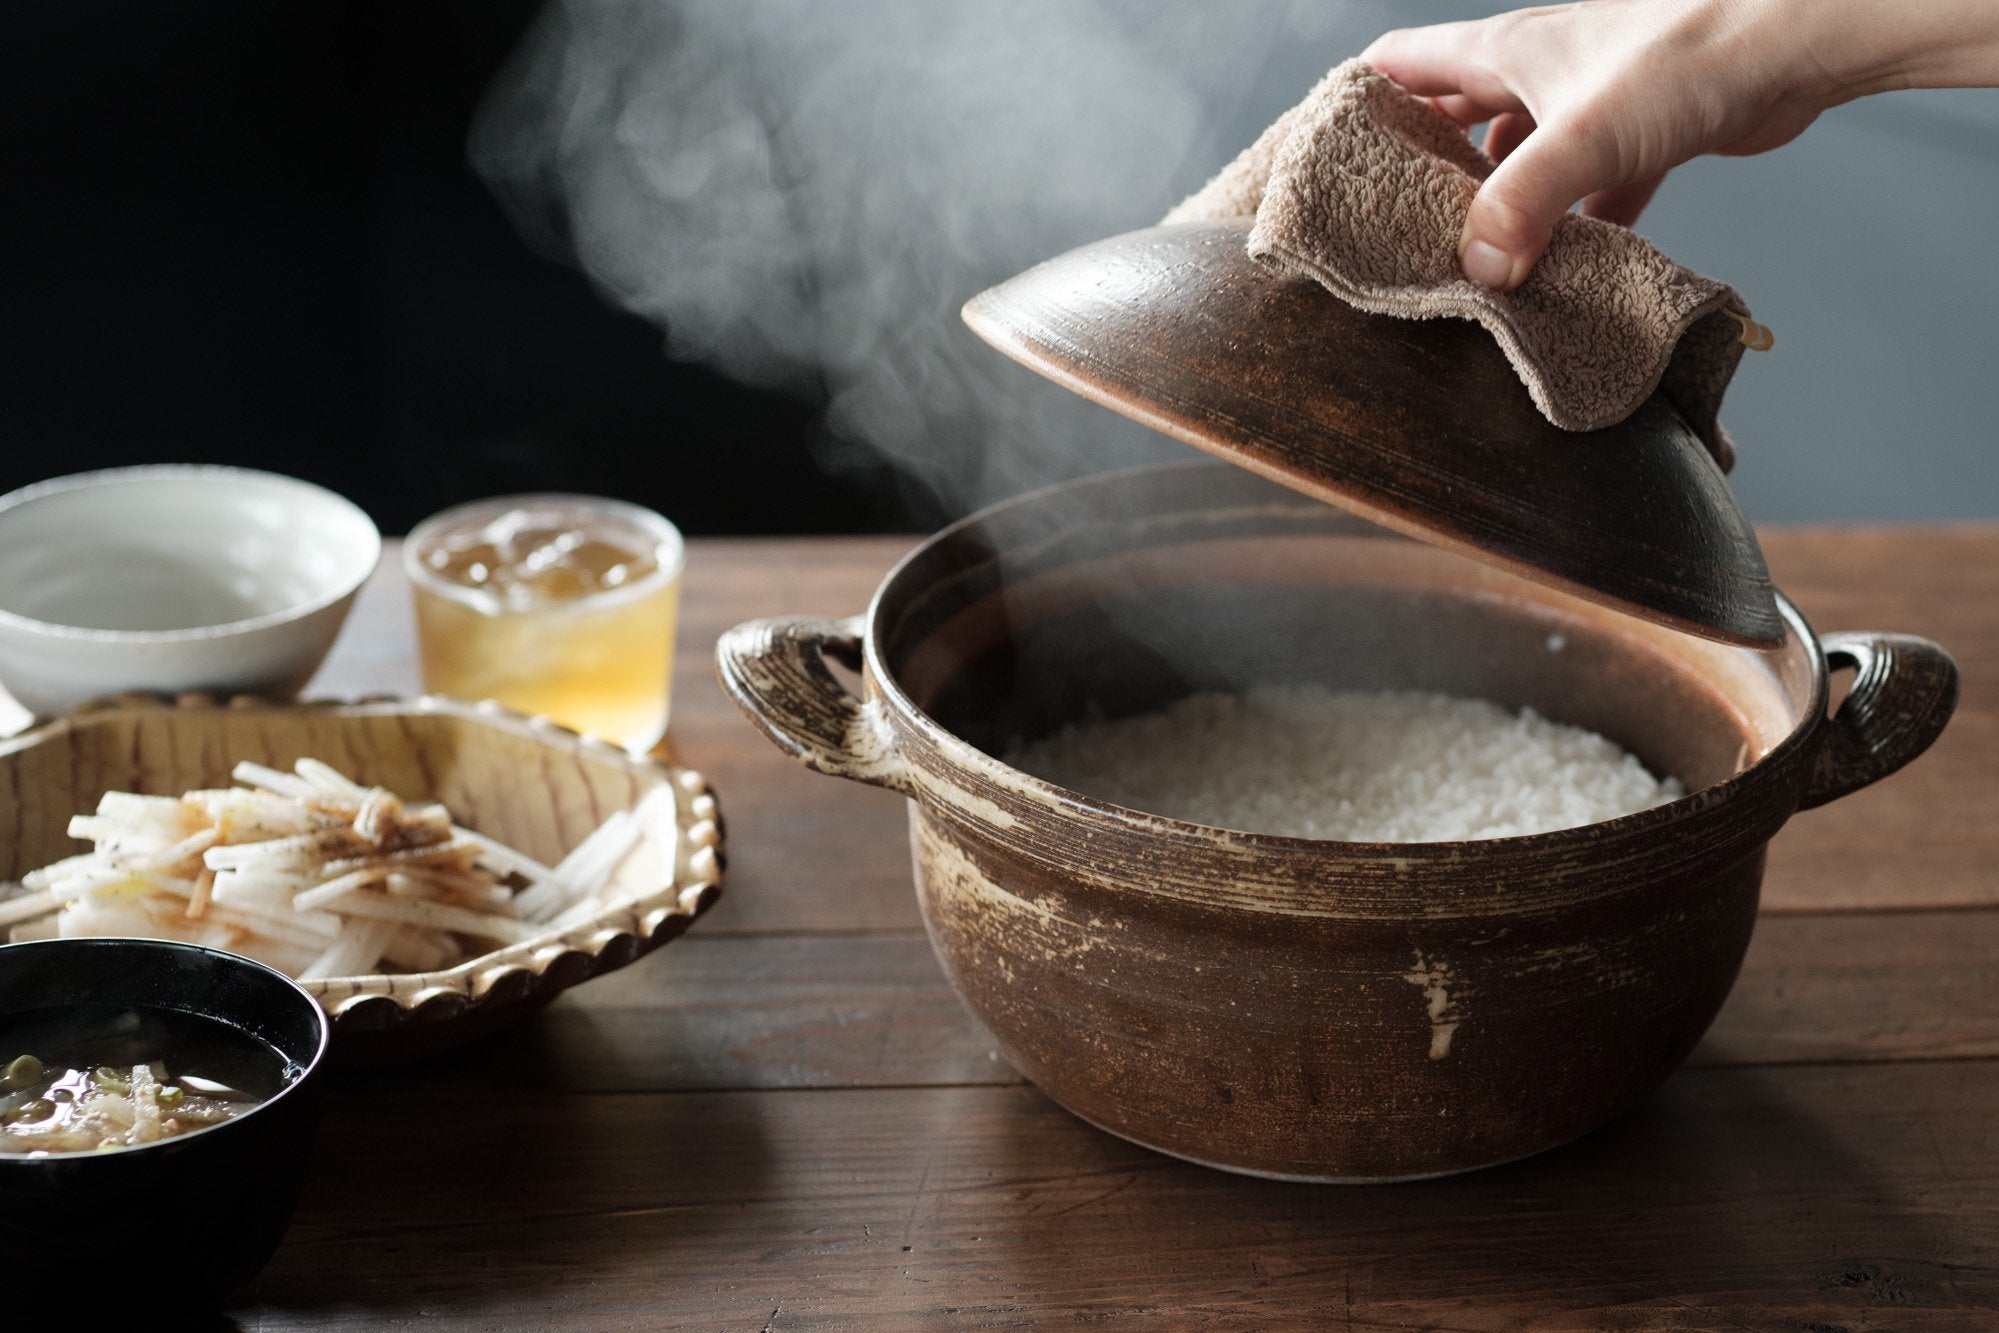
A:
[784,1119]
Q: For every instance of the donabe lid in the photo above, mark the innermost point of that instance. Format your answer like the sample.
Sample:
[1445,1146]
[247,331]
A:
[1419,425]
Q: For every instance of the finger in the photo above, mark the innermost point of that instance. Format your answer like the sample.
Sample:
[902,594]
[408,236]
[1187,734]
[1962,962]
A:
[1441,61]
[1515,211]
[1506,133]
[1464,110]
[1622,203]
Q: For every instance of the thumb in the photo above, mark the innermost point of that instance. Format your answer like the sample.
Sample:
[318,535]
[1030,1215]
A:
[1513,216]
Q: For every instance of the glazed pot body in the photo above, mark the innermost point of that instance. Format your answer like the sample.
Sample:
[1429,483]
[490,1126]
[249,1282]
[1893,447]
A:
[1297,1008]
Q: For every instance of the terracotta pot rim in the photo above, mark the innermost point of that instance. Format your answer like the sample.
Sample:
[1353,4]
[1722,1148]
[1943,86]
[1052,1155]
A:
[1064,802]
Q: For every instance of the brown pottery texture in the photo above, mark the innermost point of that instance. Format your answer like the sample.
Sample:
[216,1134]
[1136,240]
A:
[1416,424]
[1310,1009]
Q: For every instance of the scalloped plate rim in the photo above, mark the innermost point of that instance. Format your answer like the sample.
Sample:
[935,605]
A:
[541,954]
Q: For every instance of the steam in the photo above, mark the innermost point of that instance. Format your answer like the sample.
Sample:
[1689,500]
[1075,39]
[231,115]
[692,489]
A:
[803,192]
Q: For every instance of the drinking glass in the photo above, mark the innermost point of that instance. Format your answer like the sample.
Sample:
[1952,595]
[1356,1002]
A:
[555,605]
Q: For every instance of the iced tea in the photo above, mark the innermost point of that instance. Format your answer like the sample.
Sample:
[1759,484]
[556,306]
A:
[562,605]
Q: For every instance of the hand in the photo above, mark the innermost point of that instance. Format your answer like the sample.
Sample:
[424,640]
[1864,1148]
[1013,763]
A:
[1595,102]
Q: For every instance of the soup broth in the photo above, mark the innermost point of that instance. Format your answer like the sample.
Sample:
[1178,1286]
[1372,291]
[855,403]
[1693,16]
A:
[99,1078]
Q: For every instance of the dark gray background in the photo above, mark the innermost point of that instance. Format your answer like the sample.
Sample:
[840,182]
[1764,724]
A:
[249,233]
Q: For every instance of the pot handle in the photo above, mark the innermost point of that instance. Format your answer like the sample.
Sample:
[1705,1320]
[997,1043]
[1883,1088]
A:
[776,672]
[1899,703]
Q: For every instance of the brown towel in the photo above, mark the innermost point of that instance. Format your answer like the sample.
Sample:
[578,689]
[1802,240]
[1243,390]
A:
[1365,188]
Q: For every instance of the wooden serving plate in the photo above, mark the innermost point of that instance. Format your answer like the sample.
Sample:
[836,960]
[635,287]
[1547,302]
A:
[530,783]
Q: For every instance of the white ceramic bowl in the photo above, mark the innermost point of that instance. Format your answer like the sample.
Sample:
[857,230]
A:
[172,579]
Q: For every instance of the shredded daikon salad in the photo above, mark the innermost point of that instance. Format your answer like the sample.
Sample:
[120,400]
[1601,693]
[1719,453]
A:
[315,875]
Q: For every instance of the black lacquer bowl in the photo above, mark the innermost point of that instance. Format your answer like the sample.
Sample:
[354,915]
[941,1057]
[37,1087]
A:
[171,1226]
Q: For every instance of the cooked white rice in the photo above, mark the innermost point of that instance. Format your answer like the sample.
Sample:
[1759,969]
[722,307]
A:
[1307,762]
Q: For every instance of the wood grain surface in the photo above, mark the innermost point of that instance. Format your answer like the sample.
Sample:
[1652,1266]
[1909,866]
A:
[786,1120]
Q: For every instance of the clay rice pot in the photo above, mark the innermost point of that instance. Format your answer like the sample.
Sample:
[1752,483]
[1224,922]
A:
[1307,1009]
